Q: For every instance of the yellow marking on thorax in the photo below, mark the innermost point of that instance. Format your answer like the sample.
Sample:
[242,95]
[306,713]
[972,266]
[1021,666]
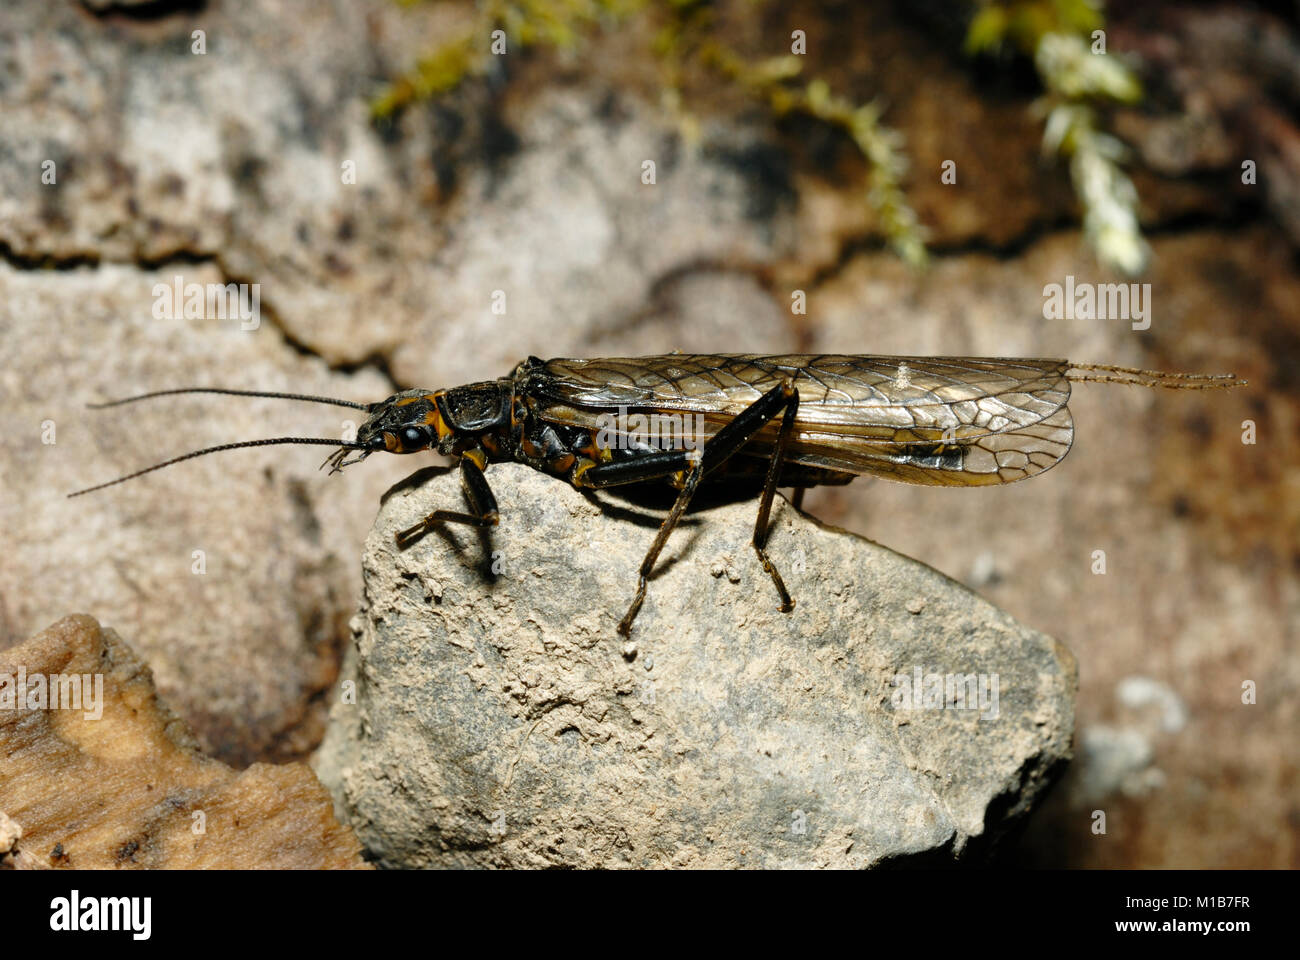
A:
[434,417]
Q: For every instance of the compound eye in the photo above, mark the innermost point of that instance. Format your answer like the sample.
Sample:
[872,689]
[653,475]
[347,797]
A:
[415,437]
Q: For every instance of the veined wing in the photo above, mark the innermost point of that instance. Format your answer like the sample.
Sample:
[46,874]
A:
[890,400]
[990,459]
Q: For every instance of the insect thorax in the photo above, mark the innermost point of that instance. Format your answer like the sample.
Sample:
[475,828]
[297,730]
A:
[477,407]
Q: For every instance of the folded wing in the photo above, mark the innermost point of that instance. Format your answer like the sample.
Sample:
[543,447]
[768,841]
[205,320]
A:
[897,399]
[934,420]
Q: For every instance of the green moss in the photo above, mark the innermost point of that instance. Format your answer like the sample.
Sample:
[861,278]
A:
[1058,35]
[686,36]
[771,81]
[443,70]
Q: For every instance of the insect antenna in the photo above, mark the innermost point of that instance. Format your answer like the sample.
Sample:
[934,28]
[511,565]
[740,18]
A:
[236,393]
[345,444]
[1109,373]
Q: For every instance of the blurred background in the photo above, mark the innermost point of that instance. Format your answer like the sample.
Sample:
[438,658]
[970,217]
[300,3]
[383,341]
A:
[426,193]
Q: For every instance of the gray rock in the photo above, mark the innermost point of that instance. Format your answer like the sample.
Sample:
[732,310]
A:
[235,574]
[225,168]
[498,720]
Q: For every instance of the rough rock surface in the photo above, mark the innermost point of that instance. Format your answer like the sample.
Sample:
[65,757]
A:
[124,785]
[499,720]
[230,572]
[12,858]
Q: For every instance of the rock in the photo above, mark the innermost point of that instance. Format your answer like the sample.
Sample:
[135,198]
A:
[10,833]
[117,780]
[234,574]
[498,720]
[11,858]
[125,6]
[366,241]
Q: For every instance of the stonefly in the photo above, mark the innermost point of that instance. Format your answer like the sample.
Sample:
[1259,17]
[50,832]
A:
[791,421]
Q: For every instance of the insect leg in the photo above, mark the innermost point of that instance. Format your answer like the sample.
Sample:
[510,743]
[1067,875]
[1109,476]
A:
[717,450]
[649,467]
[765,504]
[482,504]
[796,501]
